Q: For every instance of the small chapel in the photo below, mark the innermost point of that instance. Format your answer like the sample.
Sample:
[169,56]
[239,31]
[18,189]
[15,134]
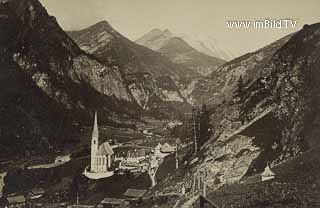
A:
[267,174]
[101,155]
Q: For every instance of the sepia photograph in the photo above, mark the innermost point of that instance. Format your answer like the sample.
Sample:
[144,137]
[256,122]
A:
[159,104]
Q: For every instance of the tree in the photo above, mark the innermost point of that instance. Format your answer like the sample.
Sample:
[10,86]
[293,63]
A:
[240,88]
[204,122]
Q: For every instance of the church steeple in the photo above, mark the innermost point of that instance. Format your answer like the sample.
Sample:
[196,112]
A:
[94,144]
[95,132]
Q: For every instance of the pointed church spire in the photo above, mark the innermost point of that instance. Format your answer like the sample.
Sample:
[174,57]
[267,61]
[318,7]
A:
[95,132]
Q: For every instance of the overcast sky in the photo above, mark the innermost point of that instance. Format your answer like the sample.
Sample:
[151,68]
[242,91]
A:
[133,18]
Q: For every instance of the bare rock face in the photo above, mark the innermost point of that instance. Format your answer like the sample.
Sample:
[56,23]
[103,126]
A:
[153,81]
[105,80]
[223,81]
[227,162]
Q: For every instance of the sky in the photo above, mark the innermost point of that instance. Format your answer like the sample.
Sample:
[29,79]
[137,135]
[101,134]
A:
[205,18]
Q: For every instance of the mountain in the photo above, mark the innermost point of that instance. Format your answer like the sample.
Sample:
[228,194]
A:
[221,85]
[272,119]
[210,46]
[286,99]
[155,39]
[50,87]
[153,80]
[179,51]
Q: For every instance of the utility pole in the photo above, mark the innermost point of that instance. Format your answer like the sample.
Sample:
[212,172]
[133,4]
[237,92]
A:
[194,184]
[177,157]
[77,198]
[204,192]
[199,182]
[177,161]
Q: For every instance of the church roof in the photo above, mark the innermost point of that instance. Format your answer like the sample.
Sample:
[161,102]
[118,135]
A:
[268,172]
[105,149]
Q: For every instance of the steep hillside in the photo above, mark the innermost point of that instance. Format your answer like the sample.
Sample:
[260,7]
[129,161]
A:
[221,85]
[275,119]
[297,184]
[49,83]
[152,79]
[179,51]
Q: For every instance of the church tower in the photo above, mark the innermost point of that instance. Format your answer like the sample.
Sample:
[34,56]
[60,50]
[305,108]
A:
[94,144]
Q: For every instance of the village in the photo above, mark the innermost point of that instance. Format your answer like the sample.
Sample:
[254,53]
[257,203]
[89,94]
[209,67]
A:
[110,158]
[112,163]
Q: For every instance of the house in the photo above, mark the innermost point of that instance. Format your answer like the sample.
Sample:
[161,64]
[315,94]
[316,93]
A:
[267,174]
[166,148]
[111,203]
[157,150]
[134,193]
[81,206]
[36,193]
[62,159]
[136,155]
[16,201]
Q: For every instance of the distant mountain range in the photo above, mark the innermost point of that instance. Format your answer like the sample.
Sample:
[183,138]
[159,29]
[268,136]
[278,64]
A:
[179,51]
[156,38]
[151,78]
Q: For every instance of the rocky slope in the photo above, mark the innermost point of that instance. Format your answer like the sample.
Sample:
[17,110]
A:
[297,184]
[221,85]
[179,51]
[274,120]
[152,79]
[48,82]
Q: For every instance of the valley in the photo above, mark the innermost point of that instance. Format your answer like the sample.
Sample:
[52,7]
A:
[91,118]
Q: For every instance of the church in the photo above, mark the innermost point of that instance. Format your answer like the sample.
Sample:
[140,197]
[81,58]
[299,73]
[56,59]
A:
[101,156]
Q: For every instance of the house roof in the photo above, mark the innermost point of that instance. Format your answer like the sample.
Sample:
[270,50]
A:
[135,193]
[105,149]
[37,191]
[19,199]
[268,172]
[158,146]
[167,148]
[136,153]
[114,201]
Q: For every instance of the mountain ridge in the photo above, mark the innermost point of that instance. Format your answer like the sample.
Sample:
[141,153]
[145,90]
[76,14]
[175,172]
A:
[53,71]
[272,120]
[179,51]
[144,70]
